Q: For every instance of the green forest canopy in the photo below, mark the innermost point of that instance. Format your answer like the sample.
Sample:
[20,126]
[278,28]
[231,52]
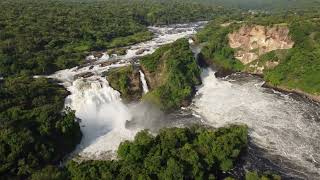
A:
[33,131]
[265,4]
[40,37]
[175,153]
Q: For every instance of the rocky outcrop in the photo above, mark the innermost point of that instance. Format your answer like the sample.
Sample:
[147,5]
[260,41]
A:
[126,80]
[135,86]
[118,51]
[315,98]
[108,63]
[257,68]
[141,51]
[83,75]
[252,41]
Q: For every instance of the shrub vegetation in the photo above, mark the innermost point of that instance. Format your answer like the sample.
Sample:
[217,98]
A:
[173,73]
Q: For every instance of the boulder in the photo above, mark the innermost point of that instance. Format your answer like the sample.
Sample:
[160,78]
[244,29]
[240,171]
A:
[83,75]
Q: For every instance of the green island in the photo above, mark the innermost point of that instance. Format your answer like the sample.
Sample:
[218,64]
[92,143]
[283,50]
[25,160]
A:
[172,73]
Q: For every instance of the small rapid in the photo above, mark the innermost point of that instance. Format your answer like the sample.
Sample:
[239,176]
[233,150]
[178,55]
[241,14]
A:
[287,128]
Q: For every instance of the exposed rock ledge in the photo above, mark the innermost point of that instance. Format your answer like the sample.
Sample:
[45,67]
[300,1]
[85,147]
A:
[252,41]
[312,97]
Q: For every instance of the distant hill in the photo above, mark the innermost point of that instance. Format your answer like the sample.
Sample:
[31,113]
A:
[265,4]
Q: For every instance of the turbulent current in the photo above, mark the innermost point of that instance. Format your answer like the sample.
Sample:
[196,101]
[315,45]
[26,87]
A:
[103,116]
[284,129]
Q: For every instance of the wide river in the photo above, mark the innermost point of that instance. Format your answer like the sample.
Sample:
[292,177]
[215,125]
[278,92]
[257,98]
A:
[284,129]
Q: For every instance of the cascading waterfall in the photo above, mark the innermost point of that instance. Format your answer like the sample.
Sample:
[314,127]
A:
[144,82]
[282,126]
[103,115]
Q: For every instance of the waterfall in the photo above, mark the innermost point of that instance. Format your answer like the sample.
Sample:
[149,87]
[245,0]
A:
[144,82]
[278,124]
[103,115]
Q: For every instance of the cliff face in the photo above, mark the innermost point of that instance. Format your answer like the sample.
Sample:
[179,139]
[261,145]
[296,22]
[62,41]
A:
[250,42]
[126,80]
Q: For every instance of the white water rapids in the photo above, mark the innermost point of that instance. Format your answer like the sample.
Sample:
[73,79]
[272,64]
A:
[284,127]
[103,115]
[278,123]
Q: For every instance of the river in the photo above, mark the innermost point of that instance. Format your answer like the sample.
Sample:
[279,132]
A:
[284,129]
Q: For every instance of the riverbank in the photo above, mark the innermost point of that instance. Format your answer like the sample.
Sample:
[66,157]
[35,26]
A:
[222,72]
[285,90]
[283,126]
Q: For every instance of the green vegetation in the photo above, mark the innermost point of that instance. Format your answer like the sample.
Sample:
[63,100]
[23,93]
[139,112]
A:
[270,57]
[264,176]
[216,49]
[40,37]
[265,4]
[126,80]
[300,69]
[34,132]
[172,73]
[130,40]
[50,173]
[175,153]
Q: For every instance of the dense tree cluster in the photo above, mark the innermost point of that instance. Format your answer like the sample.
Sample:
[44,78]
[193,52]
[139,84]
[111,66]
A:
[33,130]
[270,5]
[300,68]
[216,49]
[40,37]
[175,153]
[172,73]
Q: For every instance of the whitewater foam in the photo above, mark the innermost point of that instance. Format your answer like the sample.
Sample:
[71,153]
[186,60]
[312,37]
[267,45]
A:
[103,114]
[144,82]
[277,123]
